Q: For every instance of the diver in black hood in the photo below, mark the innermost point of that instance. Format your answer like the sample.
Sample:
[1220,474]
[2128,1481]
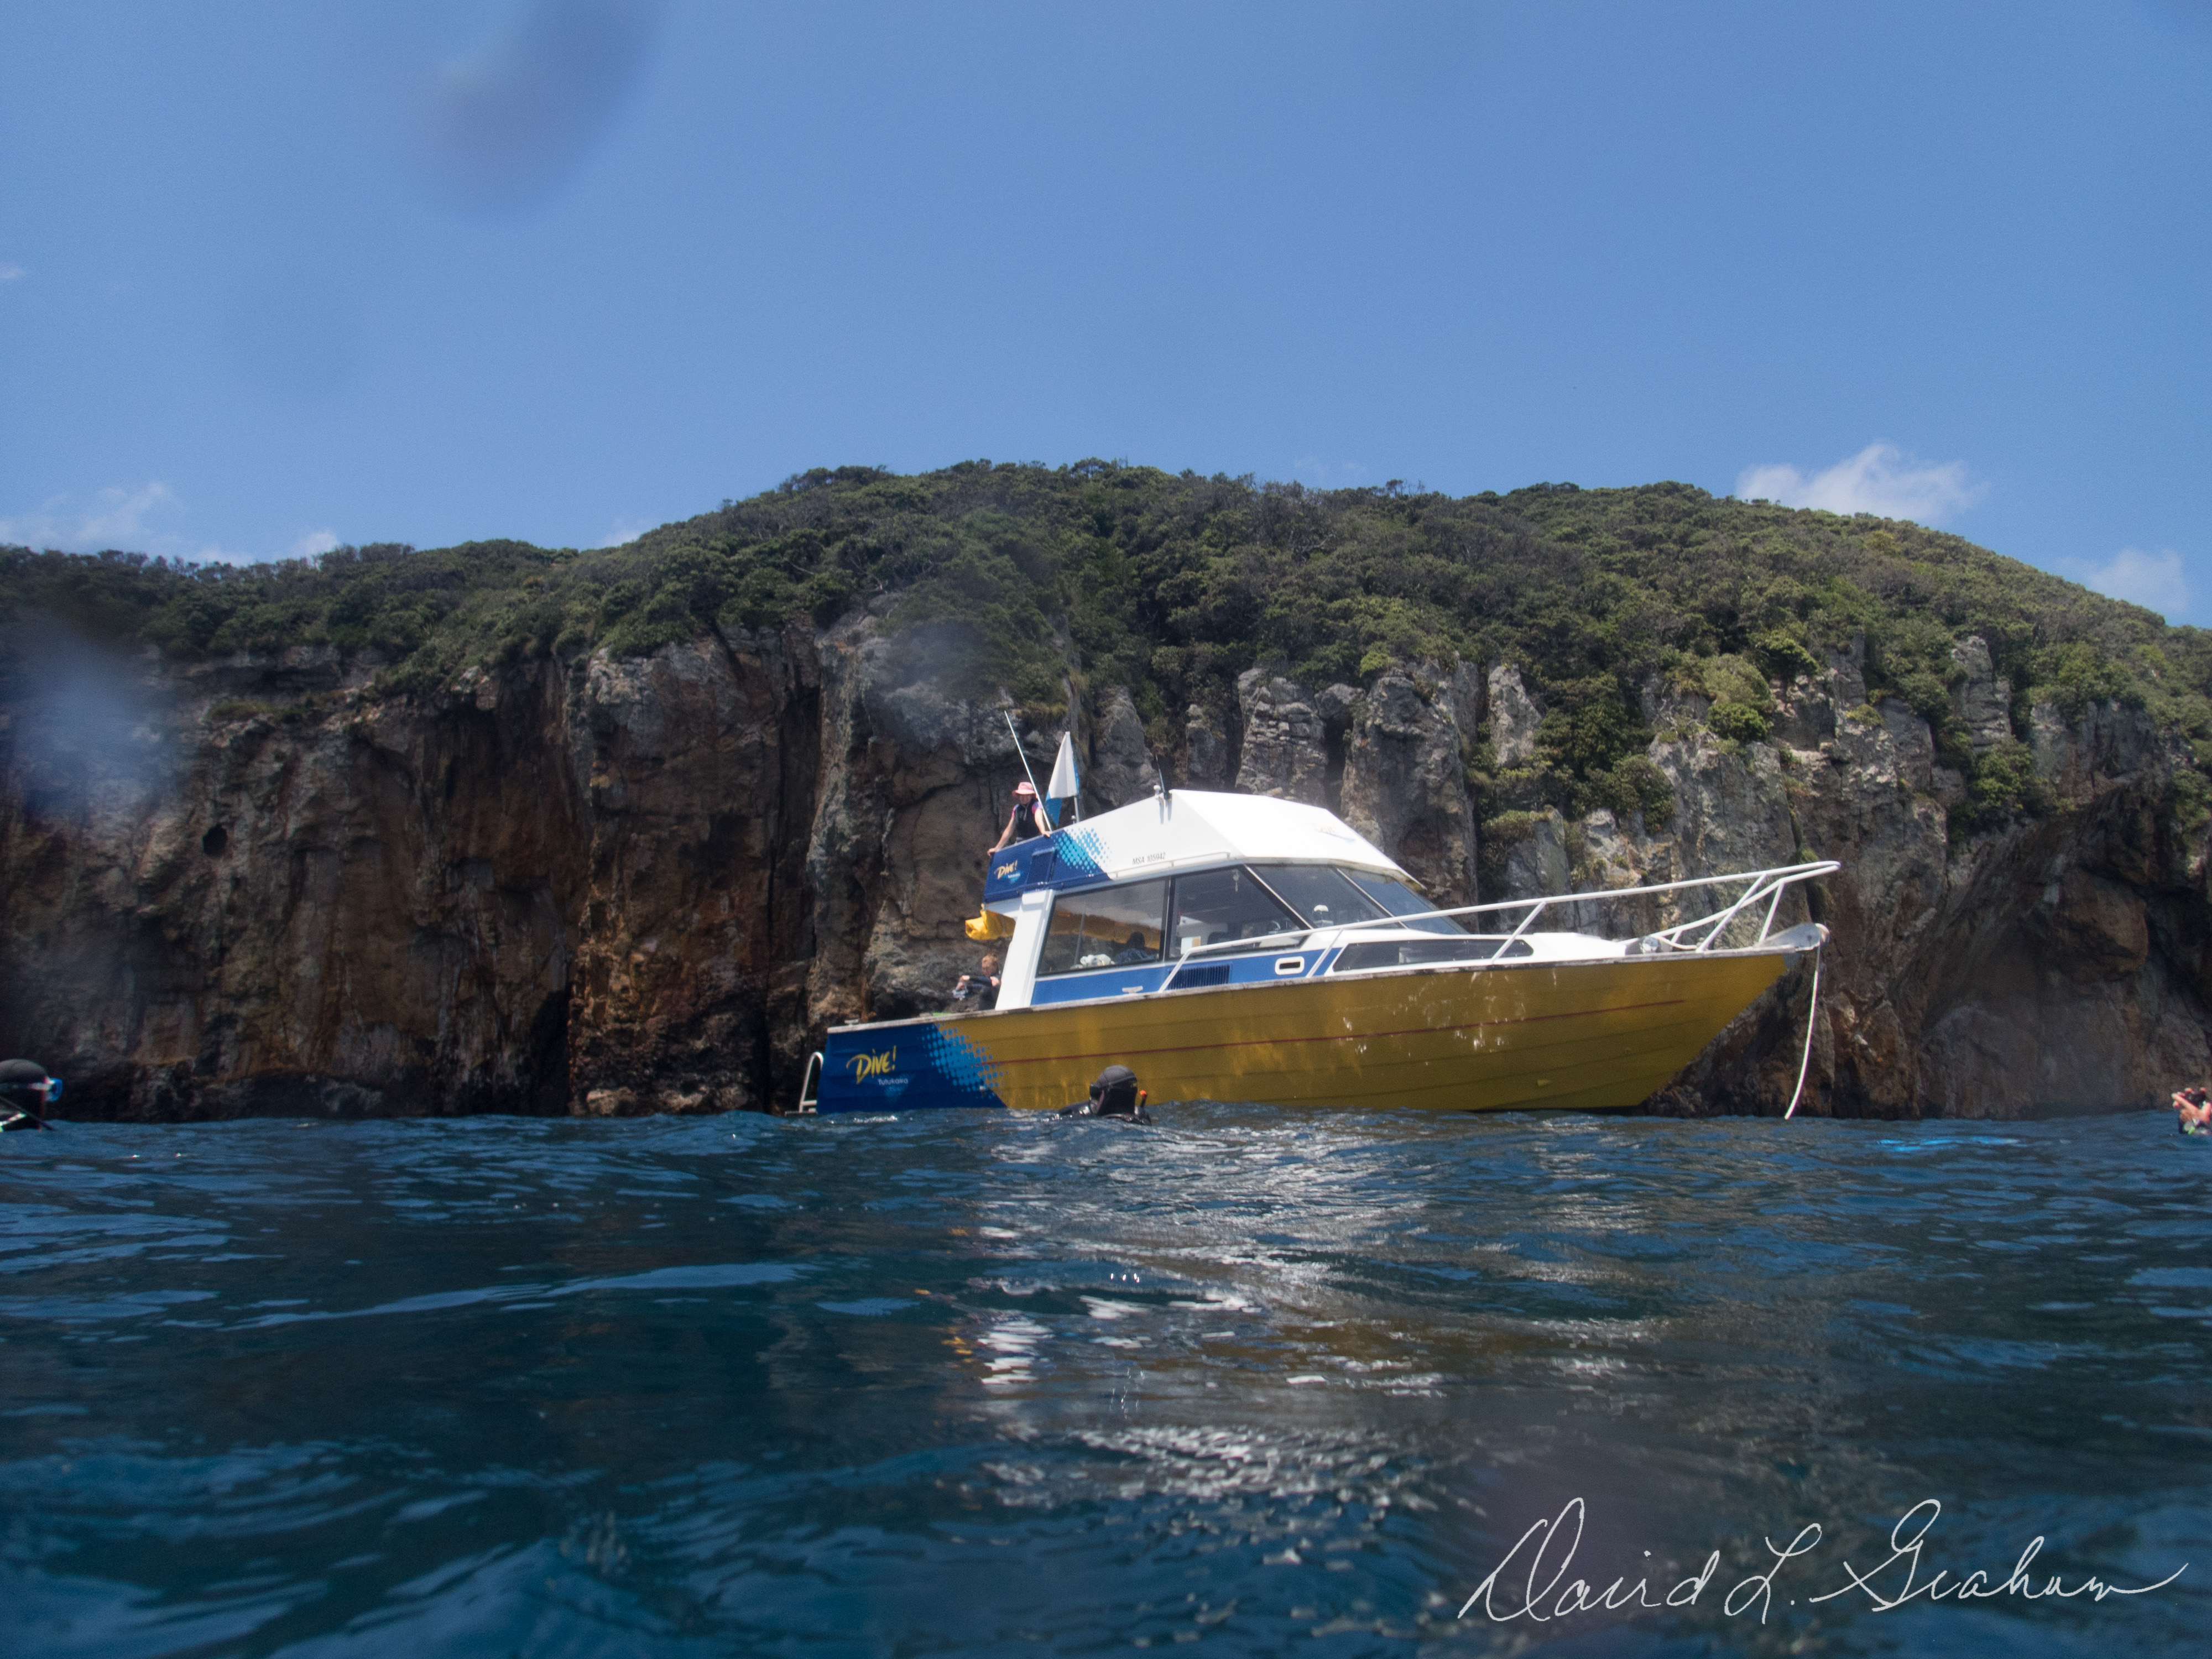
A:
[1115,1095]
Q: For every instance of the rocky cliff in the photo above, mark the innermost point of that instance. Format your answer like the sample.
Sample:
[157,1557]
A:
[607,885]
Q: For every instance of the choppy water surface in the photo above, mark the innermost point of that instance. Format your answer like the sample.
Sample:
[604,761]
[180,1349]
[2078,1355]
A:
[967,1384]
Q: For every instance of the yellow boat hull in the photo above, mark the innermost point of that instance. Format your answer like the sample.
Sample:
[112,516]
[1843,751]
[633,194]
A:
[1570,1035]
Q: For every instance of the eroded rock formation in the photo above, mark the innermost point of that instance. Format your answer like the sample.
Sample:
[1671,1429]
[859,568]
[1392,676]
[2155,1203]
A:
[618,886]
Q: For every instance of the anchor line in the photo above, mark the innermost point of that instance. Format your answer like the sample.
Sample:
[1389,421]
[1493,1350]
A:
[1812,1018]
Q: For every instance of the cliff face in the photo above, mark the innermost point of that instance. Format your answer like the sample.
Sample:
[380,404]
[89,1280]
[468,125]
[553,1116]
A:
[548,890]
[616,886]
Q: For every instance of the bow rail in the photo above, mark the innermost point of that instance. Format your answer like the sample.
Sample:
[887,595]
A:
[1767,885]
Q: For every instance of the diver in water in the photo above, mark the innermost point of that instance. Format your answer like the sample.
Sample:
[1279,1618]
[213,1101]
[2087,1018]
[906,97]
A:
[24,1088]
[1115,1095]
[2194,1107]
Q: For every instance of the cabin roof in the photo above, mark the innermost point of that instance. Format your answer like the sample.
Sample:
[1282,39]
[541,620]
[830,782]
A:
[1183,829]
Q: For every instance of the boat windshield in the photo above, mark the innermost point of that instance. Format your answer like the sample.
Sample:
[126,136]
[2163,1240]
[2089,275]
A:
[1399,900]
[1322,895]
[1325,895]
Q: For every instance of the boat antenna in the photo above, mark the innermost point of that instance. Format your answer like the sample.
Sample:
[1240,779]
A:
[1159,772]
[1018,751]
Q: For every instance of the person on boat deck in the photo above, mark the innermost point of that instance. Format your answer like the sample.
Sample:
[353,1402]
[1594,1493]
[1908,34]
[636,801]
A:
[1026,822]
[1134,950]
[2194,1107]
[981,988]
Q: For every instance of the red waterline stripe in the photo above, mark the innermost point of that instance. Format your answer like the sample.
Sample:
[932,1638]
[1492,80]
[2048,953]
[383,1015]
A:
[1351,1036]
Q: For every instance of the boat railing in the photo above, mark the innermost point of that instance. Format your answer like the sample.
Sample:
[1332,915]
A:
[1767,885]
[1758,884]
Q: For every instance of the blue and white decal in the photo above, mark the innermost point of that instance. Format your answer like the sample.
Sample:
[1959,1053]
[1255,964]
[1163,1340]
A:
[903,1068]
[1067,858]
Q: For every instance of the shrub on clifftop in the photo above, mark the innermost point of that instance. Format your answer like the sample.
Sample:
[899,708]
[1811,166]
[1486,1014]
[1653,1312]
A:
[1174,585]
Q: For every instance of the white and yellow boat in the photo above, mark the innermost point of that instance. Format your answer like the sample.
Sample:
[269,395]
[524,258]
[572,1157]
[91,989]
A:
[1234,947]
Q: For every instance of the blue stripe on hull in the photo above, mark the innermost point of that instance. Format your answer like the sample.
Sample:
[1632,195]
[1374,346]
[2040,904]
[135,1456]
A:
[1145,978]
[1105,982]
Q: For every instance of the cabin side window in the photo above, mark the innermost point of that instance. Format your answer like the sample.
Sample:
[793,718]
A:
[1223,908]
[1428,952]
[1105,927]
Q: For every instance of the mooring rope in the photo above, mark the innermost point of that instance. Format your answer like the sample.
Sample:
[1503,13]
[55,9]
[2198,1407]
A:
[1812,1018]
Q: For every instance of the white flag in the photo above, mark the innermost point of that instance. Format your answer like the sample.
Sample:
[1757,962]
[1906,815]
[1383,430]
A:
[1063,786]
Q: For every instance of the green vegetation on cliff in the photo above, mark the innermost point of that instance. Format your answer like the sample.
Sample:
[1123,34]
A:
[1174,585]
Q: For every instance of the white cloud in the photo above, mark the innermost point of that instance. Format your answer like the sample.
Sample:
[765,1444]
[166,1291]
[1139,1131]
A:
[117,518]
[2153,581]
[139,520]
[1879,479]
[1328,475]
[9,273]
[625,531]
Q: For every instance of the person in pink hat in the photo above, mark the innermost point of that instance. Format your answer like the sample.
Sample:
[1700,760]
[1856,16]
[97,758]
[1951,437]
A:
[1026,822]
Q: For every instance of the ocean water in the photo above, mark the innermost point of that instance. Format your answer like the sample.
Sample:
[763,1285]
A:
[1247,1382]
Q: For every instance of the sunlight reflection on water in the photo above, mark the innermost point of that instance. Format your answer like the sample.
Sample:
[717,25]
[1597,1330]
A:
[963,1382]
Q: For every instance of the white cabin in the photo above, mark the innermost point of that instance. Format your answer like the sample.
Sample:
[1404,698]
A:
[1192,887]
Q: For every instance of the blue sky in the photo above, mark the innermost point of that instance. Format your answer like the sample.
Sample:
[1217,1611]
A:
[277,275]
